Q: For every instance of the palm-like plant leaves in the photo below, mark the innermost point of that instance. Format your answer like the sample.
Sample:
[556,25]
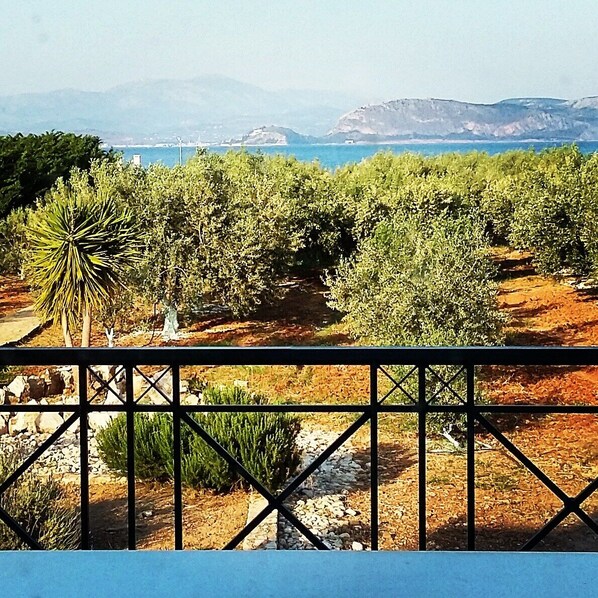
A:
[81,243]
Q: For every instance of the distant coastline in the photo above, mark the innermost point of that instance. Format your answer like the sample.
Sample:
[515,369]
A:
[337,155]
[359,143]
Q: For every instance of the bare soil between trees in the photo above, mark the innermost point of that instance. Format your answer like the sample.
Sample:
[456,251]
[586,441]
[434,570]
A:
[511,504]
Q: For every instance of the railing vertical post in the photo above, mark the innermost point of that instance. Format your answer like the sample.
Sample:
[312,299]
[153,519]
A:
[130,408]
[421,427]
[374,517]
[470,457]
[83,456]
[176,428]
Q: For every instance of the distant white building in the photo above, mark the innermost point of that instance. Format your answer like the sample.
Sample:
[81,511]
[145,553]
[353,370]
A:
[136,159]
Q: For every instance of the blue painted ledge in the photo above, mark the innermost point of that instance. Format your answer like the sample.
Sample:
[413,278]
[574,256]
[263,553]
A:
[290,574]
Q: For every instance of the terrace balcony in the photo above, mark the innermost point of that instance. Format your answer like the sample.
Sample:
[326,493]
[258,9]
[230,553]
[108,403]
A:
[419,382]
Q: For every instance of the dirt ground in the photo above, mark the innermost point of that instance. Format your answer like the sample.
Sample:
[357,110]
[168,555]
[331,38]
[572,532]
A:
[14,295]
[209,519]
[511,503]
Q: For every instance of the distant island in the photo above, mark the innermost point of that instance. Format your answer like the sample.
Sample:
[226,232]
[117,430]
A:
[517,119]
[218,110]
[272,135]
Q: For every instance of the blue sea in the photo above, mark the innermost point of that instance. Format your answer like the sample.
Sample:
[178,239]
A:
[333,156]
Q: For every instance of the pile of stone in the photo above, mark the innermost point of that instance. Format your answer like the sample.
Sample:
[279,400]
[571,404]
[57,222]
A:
[322,502]
[34,390]
[62,457]
[56,386]
[25,431]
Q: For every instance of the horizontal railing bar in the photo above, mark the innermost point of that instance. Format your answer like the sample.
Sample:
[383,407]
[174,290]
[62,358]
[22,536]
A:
[306,408]
[168,356]
[541,408]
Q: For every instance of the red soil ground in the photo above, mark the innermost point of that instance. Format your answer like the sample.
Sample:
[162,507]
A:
[14,295]
[511,503]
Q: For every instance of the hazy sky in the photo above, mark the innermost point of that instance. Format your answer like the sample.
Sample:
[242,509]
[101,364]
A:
[476,50]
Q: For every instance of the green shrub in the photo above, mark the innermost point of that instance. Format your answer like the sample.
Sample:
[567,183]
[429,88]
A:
[419,282]
[31,164]
[263,442]
[13,242]
[38,505]
[550,215]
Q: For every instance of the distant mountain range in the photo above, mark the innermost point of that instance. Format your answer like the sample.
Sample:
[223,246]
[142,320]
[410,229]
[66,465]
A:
[215,109]
[543,119]
[517,119]
[208,108]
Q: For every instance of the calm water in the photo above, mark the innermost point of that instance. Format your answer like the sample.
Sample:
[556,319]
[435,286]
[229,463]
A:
[332,156]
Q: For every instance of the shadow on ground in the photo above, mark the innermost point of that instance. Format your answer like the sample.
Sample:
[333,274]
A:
[574,537]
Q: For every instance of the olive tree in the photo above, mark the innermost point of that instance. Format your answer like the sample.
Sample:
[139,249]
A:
[420,282]
[167,273]
[550,214]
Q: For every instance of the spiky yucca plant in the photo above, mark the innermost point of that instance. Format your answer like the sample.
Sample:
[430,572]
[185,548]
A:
[81,244]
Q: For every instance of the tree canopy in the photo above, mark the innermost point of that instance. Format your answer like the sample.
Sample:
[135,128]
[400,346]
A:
[31,164]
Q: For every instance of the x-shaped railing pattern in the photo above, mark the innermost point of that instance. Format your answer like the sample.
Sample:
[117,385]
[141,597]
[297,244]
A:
[420,381]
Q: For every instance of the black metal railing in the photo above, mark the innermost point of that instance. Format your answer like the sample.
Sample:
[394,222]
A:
[419,363]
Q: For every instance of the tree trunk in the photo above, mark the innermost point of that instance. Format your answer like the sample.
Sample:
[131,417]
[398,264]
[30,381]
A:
[171,323]
[109,332]
[86,332]
[66,333]
[85,339]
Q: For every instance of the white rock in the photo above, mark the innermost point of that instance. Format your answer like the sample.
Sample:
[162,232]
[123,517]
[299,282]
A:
[73,428]
[104,372]
[357,546]
[190,400]
[19,387]
[115,393]
[98,420]
[23,422]
[163,381]
[66,373]
[48,422]
[139,384]
[154,397]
